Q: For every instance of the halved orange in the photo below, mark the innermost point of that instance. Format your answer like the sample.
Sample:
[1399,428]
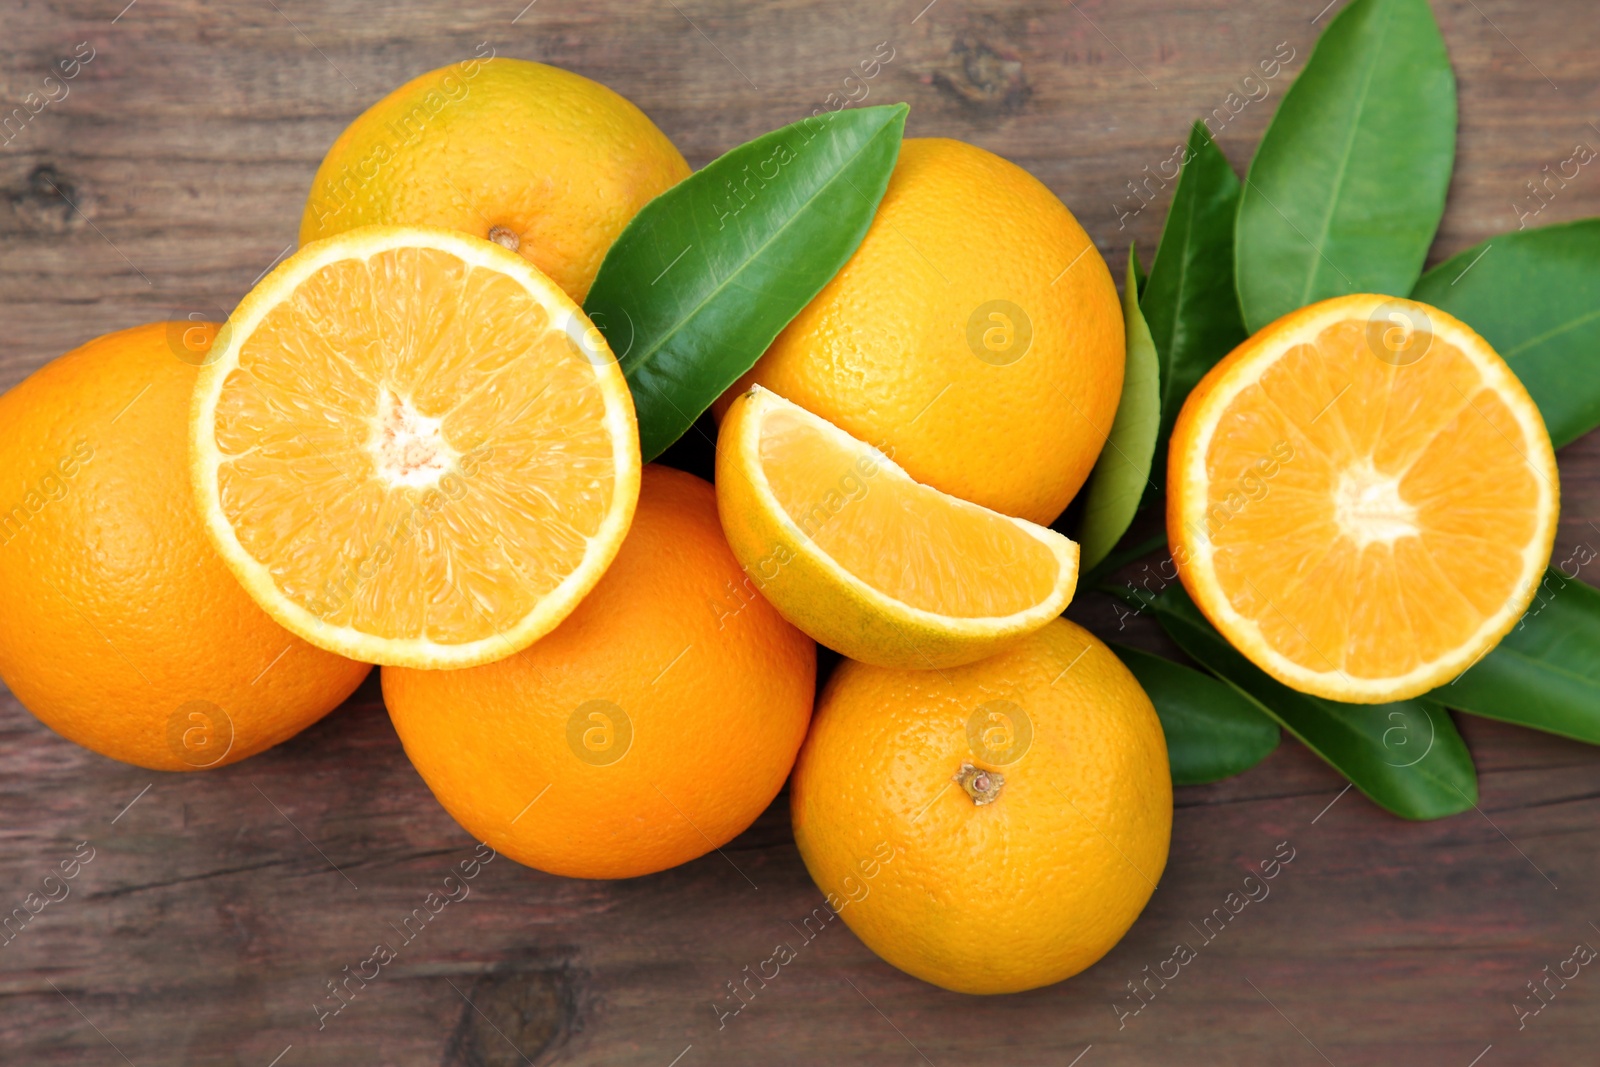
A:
[869,562]
[412,448]
[1363,498]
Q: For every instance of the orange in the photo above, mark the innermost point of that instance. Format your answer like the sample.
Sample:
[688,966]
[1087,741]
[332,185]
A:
[541,160]
[975,335]
[651,727]
[867,561]
[1364,498]
[123,630]
[412,448]
[990,828]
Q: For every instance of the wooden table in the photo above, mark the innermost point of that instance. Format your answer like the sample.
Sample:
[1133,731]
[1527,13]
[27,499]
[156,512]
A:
[218,905]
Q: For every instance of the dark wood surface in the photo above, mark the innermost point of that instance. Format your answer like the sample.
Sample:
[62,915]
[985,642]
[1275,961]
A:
[218,904]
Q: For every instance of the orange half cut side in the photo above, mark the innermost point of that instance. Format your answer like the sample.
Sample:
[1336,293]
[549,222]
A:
[413,449]
[1364,498]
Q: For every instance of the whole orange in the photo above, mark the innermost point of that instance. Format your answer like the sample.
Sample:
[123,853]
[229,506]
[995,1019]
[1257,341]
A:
[123,629]
[975,335]
[652,726]
[993,827]
[541,160]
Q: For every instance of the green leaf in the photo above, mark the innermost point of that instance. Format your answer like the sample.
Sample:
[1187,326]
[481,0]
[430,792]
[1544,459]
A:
[1123,470]
[1134,265]
[1189,301]
[1535,296]
[704,277]
[1545,673]
[1348,184]
[1212,731]
[1406,756]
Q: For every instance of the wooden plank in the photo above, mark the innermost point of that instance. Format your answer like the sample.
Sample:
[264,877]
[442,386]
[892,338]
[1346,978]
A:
[208,923]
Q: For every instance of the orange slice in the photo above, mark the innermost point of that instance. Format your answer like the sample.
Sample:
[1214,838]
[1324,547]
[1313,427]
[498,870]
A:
[412,448]
[869,562]
[1363,498]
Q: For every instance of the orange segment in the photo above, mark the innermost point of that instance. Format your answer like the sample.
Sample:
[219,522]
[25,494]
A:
[912,543]
[409,453]
[869,562]
[1365,498]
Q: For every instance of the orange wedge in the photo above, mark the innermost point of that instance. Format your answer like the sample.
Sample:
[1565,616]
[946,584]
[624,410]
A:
[1363,498]
[413,449]
[869,562]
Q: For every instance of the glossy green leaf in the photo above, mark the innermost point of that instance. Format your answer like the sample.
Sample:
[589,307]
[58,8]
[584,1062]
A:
[1545,673]
[1535,296]
[1123,470]
[702,279]
[1348,184]
[1212,731]
[1406,756]
[1189,301]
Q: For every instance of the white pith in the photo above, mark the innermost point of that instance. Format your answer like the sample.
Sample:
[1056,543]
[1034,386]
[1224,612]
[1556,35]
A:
[1368,506]
[408,448]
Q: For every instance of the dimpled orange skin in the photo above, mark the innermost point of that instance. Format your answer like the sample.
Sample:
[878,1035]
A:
[883,350]
[520,149]
[1021,892]
[716,685]
[118,612]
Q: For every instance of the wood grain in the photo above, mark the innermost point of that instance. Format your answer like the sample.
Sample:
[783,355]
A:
[218,905]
